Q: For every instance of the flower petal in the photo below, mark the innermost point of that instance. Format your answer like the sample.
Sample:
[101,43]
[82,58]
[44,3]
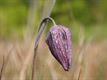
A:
[60,44]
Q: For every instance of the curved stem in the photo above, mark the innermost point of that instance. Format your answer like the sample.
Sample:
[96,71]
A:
[46,19]
[52,20]
[40,31]
[41,28]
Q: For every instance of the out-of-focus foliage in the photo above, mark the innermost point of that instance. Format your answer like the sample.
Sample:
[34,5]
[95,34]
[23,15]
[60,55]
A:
[89,14]
[85,11]
[14,14]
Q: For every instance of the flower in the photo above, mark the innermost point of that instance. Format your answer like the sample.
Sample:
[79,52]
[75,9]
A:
[60,44]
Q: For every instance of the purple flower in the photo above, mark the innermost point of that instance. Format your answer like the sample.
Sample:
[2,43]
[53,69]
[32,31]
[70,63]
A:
[60,44]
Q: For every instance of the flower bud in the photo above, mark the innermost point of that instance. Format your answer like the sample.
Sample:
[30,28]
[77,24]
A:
[60,44]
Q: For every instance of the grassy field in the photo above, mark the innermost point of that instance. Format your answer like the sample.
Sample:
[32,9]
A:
[18,61]
[19,20]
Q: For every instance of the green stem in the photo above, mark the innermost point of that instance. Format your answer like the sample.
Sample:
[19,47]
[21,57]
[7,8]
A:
[40,31]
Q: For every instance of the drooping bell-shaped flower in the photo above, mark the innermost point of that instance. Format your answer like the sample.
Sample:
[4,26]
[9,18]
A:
[60,44]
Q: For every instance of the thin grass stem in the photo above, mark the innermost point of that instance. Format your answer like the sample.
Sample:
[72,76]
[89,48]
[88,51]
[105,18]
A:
[40,31]
[2,68]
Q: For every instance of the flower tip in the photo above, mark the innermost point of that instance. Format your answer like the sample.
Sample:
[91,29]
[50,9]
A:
[66,67]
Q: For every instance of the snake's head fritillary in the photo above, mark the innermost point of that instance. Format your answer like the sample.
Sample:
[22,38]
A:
[60,44]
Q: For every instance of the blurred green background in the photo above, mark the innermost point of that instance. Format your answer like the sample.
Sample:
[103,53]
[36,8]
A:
[90,14]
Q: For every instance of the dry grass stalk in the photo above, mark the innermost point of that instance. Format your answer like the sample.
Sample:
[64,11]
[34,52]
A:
[78,69]
[4,63]
[40,31]
[49,62]
[31,20]
[83,47]
[2,68]
[25,65]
